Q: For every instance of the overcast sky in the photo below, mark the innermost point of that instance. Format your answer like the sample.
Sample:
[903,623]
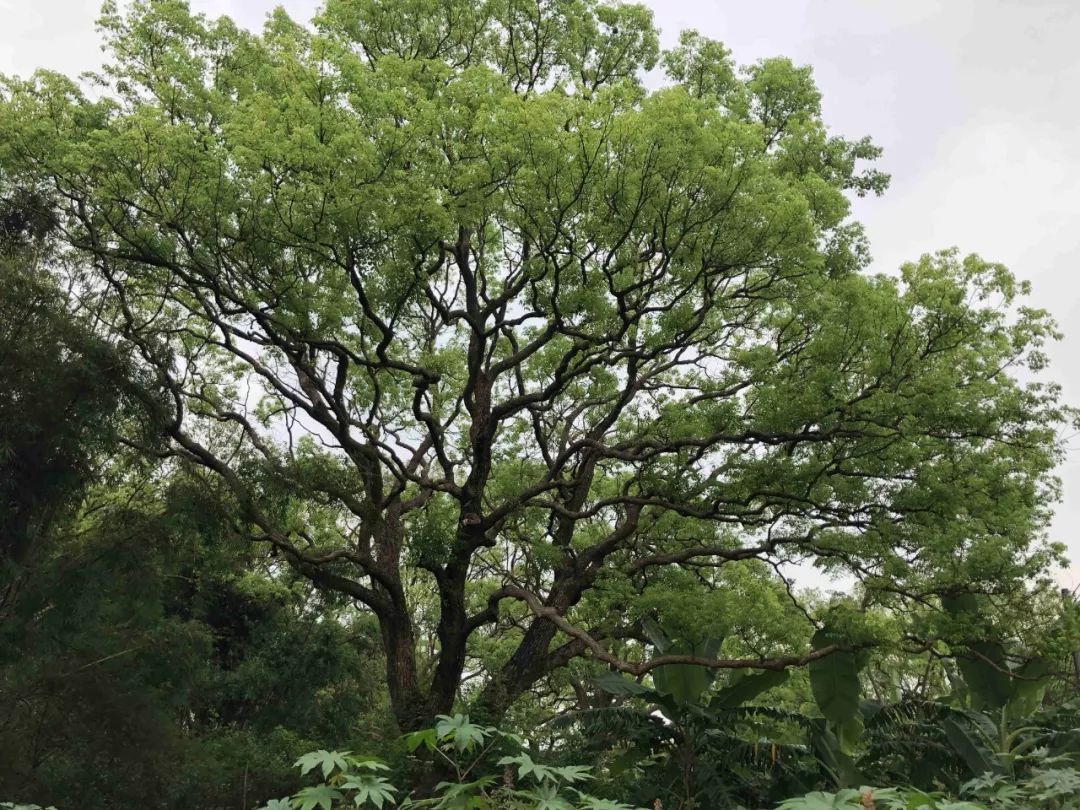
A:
[974,101]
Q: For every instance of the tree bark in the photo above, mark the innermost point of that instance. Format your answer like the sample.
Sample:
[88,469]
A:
[408,702]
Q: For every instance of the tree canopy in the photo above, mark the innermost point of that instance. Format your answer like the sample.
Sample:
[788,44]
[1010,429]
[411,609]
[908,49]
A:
[479,330]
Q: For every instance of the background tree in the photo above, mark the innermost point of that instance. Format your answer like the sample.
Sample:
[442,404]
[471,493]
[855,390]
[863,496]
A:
[149,659]
[484,336]
[61,388]
[148,655]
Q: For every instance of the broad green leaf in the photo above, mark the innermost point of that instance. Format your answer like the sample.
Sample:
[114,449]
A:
[545,796]
[848,733]
[834,681]
[819,800]
[369,789]
[985,669]
[328,761]
[1028,687]
[660,640]
[587,802]
[572,773]
[318,796]
[615,683]
[686,683]
[747,688]
[969,747]
[428,738]
[463,734]
[830,753]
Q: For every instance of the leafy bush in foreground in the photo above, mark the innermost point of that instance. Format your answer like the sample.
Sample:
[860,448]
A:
[466,750]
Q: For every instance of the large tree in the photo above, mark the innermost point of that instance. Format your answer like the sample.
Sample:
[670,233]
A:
[509,328]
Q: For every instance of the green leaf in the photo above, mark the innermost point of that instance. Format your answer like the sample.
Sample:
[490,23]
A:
[747,688]
[428,738]
[819,800]
[656,635]
[587,802]
[985,669]
[369,789]
[1028,687]
[970,749]
[462,794]
[572,773]
[686,683]
[327,760]
[834,681]
[831,755]
[319,796]
[526,767]
[615,683]
[848,733]
[463,734]
[545,797]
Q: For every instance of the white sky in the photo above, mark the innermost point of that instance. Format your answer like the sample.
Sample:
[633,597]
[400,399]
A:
[974,101]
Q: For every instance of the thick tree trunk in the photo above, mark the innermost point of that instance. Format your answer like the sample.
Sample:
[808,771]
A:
[406,698]
[415,705]
[525,667]
[531,660]
[453,635]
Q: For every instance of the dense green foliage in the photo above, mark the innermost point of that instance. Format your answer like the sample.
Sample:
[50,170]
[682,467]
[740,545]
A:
[423,363]
[1048,780]
[146,664]
[147,657]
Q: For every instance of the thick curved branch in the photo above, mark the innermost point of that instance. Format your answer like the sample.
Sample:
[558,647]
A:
[641,668]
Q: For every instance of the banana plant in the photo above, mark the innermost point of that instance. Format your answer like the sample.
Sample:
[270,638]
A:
[837,690]
[681,734]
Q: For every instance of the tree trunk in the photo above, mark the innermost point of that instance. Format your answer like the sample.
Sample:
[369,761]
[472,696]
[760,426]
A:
[525,667]
[453,636]
[530,660]
[406,699]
